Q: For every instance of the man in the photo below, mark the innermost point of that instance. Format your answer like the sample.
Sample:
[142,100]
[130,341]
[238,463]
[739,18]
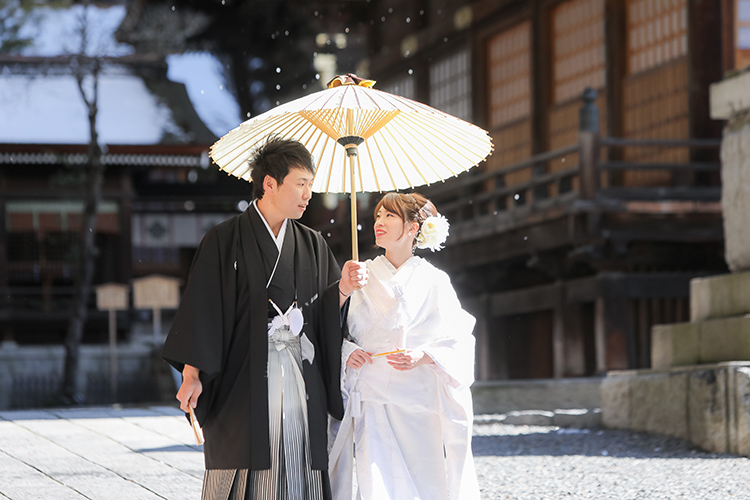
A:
[258,339]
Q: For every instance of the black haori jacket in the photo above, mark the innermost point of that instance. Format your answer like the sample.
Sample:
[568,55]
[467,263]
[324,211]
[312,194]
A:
[206,333]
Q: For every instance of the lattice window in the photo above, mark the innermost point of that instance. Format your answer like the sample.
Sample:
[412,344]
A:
[450,85]
[405,87]
[742,46]
[23,246]
[657,33]
[578,30]
[509,75]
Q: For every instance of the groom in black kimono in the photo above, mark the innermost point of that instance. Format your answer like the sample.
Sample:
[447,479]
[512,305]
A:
[246,270]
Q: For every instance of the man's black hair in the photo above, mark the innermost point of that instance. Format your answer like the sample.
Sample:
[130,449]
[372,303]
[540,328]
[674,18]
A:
[275,158]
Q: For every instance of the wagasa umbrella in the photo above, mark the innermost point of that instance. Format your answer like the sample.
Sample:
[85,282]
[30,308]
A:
[391,142]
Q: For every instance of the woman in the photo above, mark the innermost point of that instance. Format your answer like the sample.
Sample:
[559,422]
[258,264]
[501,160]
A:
[407,370]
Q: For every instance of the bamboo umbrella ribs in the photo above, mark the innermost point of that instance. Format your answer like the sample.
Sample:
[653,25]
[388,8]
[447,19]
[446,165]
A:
[390,142]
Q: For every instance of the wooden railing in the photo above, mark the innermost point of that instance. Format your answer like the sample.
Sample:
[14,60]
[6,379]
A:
[39,299]
[474,196]
[478,202]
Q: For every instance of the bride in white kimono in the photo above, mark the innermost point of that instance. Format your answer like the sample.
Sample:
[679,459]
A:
[406,371]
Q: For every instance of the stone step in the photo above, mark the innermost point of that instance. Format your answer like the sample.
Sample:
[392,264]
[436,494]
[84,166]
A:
[720,296]
[504,396]
[577,418]
[707,341]
[706,404]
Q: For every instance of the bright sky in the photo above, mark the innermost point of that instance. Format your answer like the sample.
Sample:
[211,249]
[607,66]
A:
[202,75]
[49,109]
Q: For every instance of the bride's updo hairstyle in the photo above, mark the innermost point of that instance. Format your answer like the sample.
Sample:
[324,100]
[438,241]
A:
[410,207]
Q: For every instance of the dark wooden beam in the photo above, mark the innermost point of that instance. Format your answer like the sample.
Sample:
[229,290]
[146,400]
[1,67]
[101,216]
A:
[582,290]
[526,300]
[701,193]
[503,245]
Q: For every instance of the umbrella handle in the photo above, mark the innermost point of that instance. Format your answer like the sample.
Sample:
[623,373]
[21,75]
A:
[350,143]
[355,246]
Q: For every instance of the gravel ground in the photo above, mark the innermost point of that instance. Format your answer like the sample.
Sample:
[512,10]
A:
[546,463]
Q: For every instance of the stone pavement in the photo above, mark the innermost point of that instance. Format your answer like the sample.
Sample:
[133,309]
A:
[150,453]
[98,453]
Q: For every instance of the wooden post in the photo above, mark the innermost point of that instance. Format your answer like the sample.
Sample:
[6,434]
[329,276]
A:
[3,235]
[558,335]
[157,323]
[614,335]
[125,214]
[113,354]
[541,93]
[615,44]
[479,307]
[588,140]
[575,342]
[112,297]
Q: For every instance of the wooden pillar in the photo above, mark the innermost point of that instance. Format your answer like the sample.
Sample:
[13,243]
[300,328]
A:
[3,233]
[615,45]
[704,67]
[498,329]
[588,140]
[615,345]
[5,299]
[575,343]
[644,334]
[125,251]
[479,308]
[727,34]
[558,335]
[541,88]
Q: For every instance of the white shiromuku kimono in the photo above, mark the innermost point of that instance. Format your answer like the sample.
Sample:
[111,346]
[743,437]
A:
[411,429]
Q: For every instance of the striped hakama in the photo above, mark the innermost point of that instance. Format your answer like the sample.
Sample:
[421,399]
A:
[290,476]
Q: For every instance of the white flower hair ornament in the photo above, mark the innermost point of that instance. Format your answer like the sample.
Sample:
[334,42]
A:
[433,232]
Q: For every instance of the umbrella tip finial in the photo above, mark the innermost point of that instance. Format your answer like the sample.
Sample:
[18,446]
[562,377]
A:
[350,79]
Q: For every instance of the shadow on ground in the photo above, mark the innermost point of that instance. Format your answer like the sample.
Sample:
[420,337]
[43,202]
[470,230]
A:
[545,441]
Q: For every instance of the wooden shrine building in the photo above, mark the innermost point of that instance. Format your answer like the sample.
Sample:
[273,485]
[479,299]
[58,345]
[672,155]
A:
[597,207]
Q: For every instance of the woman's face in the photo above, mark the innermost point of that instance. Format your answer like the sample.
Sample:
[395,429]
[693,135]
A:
[390,231]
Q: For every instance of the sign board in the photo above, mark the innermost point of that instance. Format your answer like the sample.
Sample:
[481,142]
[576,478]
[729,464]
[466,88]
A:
[112,297]
[156,292]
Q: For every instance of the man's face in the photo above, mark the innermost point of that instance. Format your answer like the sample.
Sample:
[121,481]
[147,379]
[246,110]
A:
[292,196]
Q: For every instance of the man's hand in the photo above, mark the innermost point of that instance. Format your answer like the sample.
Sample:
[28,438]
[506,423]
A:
[354,275]
[190,389]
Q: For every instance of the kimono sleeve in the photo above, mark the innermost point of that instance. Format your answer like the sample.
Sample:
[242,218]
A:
[195,337]
[331,336]
[453,348]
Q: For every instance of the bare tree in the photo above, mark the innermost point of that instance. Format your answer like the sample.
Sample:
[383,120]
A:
[86,70]
[13,15]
